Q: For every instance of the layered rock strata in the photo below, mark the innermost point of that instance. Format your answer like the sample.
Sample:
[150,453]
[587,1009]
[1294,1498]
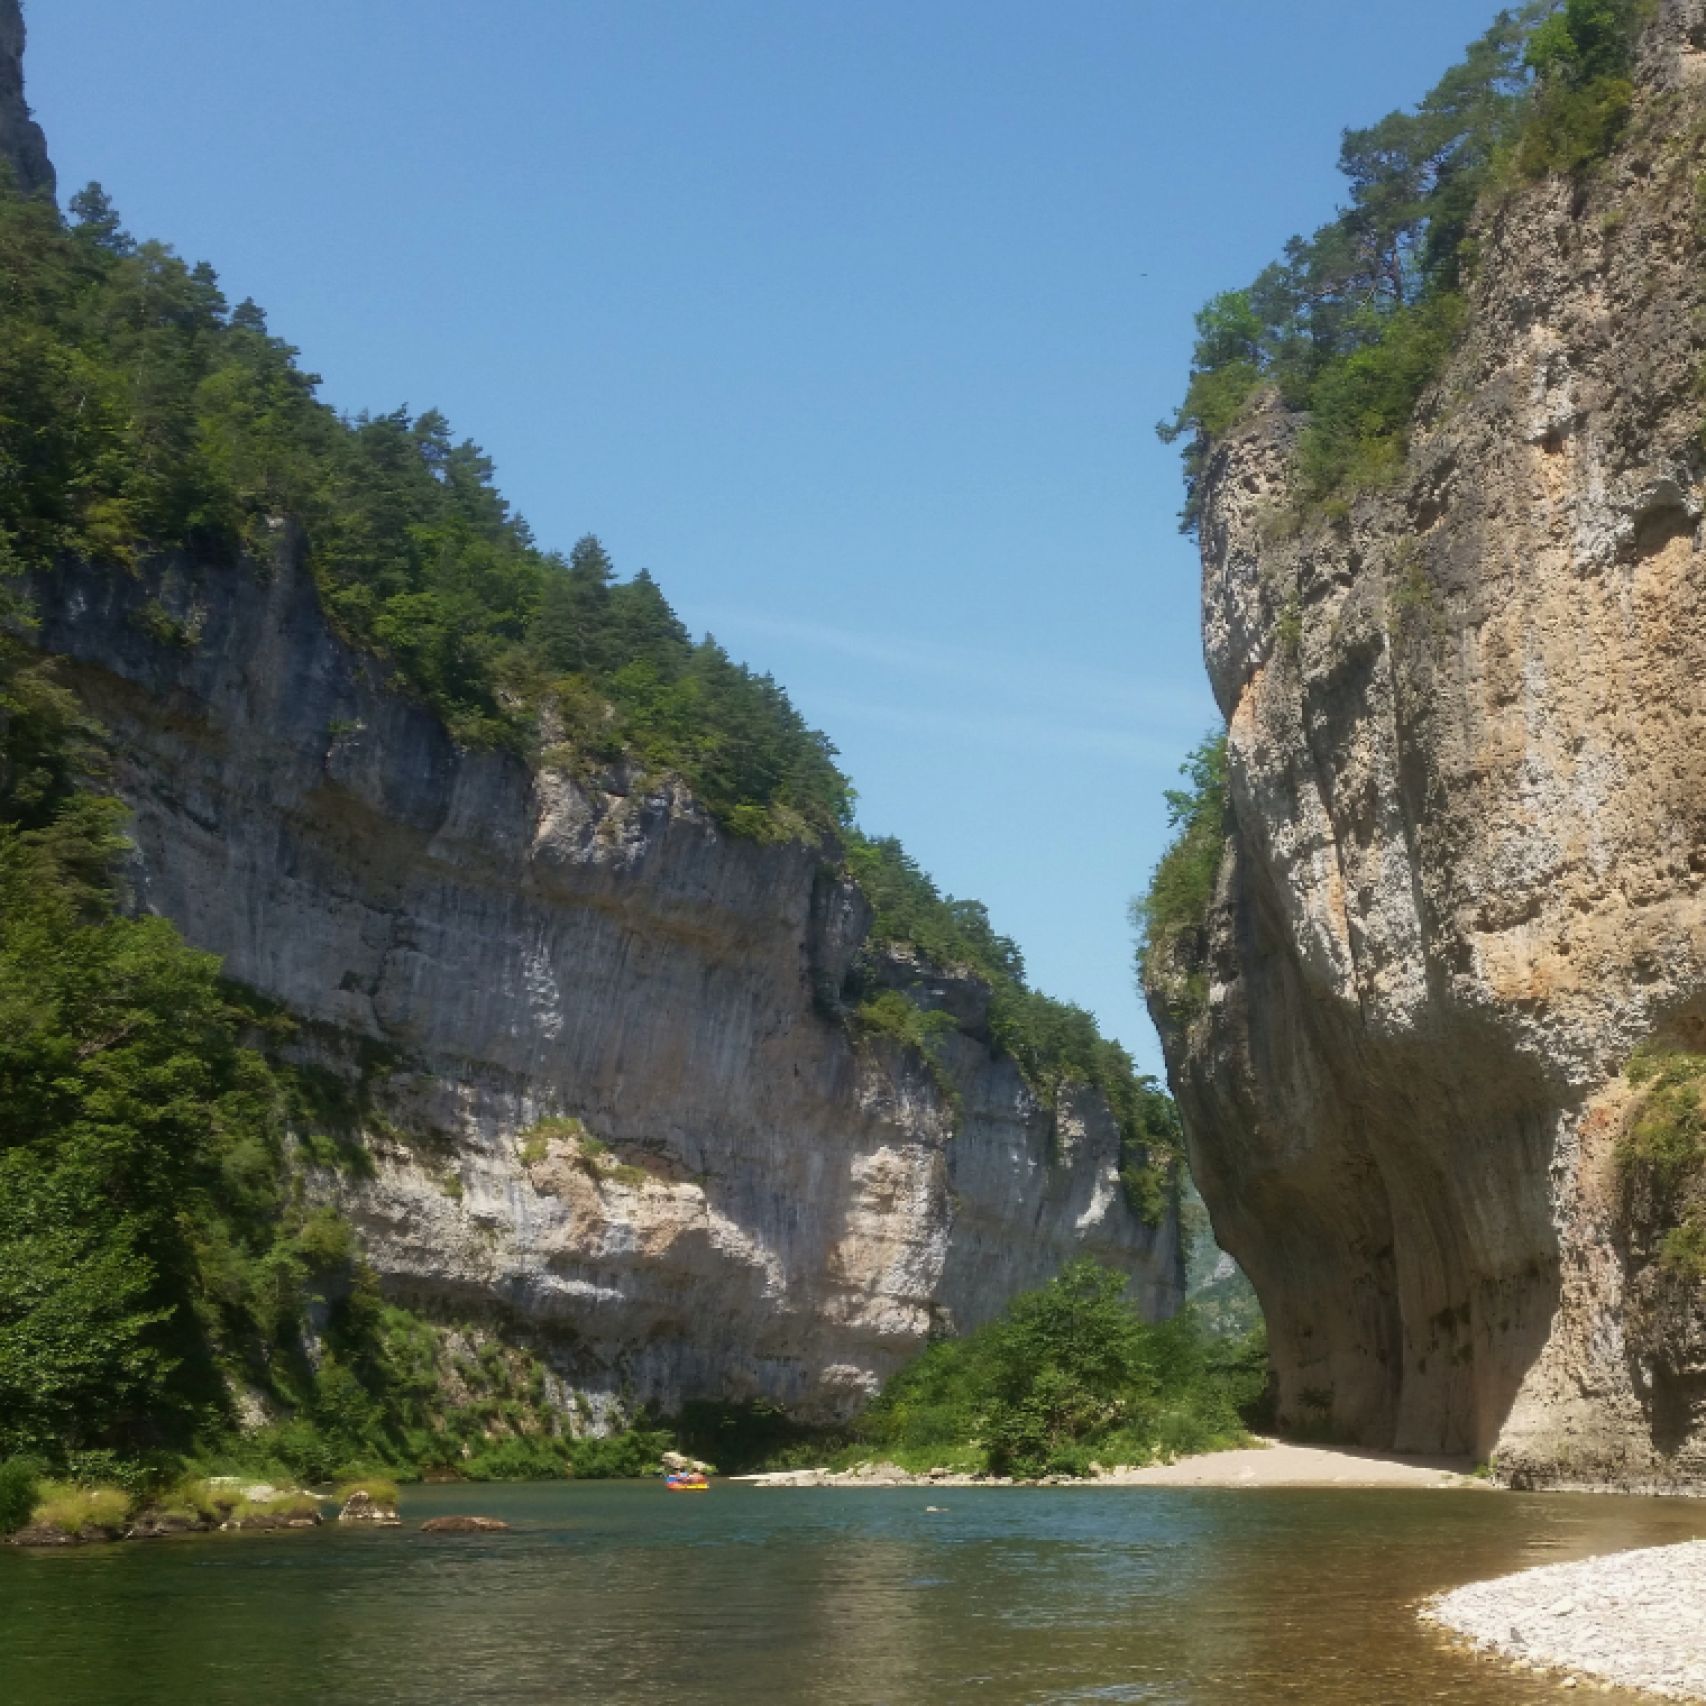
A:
[1466,849]
[608,1093]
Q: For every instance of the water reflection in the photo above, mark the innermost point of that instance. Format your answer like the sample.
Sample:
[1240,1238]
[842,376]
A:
[625,1596]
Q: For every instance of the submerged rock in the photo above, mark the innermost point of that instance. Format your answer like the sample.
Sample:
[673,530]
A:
[464,1525]
[48,1534]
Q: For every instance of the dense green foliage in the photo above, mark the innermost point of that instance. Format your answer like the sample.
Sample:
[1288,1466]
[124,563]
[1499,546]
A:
[1356,320]
[157,1251]
[1169,915]
[143,412]
[155,1248]
[1055,1044]
[1582,56]
[1661,1156]
[19,1477]
[1069,1374]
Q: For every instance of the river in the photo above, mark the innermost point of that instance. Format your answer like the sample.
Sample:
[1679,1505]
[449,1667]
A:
[626,1595]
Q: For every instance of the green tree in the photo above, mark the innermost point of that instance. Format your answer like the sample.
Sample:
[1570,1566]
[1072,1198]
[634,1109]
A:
[1355,320]
[1173,910]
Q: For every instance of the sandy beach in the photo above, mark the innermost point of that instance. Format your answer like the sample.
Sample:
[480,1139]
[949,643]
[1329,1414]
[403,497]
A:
[1272,1463]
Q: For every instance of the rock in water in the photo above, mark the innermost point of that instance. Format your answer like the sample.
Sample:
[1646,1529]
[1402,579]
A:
[363,1507]
[464,1525]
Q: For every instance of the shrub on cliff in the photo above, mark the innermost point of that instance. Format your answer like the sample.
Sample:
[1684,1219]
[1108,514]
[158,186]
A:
[1355,321]
[1661,1158]
[1169,915]
[1582,56]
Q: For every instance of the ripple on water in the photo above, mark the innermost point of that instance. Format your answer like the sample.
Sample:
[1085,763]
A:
[624,1596]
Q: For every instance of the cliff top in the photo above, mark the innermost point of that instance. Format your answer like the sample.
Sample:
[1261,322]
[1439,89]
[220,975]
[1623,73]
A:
[22,145]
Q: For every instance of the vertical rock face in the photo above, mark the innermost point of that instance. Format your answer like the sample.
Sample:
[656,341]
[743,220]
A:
[606,1094]
[22,145]
[1466,852]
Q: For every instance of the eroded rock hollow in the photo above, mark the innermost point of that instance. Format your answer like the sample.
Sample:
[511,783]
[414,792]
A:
[1466,843]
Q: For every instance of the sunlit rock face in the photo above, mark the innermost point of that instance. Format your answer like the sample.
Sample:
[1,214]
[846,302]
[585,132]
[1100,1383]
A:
[22,146]
[750,1205]
[1465,852]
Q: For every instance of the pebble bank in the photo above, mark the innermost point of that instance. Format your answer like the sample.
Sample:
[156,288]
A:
[1635,1619]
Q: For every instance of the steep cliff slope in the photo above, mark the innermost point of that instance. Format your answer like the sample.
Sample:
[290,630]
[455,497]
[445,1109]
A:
[603,1087]
[603,1060]
[22,146]
[1466,849]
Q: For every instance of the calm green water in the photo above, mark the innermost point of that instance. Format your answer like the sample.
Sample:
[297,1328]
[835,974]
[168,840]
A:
[618,1594]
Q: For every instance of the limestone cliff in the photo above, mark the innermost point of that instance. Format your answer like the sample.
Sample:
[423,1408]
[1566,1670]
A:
[1466,850]
[605,1090]
[22,146]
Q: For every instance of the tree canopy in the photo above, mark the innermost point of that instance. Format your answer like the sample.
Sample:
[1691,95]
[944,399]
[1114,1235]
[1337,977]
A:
[1353,321]
[144,413]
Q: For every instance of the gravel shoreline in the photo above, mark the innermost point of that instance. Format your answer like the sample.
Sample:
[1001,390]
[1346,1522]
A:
[1633,1619]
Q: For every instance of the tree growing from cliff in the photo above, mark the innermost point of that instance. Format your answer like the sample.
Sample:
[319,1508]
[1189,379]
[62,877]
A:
[1354,321]
[1168,917]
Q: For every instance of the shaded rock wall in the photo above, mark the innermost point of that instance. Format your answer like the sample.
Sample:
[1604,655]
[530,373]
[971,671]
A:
[753,1207]
[1466,849]
[22,145]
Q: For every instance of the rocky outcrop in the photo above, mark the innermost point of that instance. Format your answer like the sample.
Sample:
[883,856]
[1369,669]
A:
[22,145]
[607,1093]
[1466,851]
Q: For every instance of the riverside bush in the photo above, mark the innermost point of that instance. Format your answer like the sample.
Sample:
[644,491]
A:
[19,1479]
[1068,1374]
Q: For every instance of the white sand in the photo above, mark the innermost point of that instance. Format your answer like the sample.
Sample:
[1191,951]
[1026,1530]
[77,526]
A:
[1271,1464]
[1279,1464]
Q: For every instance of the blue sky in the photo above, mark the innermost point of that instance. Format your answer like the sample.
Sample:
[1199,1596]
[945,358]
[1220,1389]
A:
[850,321]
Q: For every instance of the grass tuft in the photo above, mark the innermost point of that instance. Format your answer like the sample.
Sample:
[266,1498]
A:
[76,1510]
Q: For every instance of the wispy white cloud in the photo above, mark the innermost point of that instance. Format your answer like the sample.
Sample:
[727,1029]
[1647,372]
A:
[1039,679]
[1010,731]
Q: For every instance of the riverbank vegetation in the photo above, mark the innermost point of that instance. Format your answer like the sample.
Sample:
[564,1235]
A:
[1069,1375]
[1352,325]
